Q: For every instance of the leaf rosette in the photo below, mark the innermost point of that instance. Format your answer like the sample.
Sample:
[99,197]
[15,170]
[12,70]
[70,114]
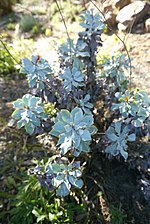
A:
[85,104]
[114,68]
[119,136]
[74,50]
[74,130]
[92,23]
[29,112]
[38,71]
[135,105]
[65,175]
[72,78]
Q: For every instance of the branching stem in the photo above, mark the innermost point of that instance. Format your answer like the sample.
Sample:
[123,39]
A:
[4,45]
[60,12]
[109,26]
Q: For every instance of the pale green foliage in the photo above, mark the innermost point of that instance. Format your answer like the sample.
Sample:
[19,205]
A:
[117,215]
[134,104]
[118,136]
[65,175]
[38,71]
[27,23]
[29,112]
[74,130]
[22,48]
[50,109]
[73,77]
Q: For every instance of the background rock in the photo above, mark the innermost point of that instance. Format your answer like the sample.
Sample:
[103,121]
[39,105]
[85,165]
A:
[147,25]
[119,4]
[133,13]
[111,18]
[108,6]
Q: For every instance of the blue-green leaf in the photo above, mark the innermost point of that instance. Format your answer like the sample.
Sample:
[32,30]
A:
[131,137]
[30,128]
[118,127]
[112,137]
[19,104]
[63,190]
[85,135]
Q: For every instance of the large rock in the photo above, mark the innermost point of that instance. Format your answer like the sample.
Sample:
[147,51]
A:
[119,4]
[111,5]
[133,13]
[110,9]
[110,13]
[111,18]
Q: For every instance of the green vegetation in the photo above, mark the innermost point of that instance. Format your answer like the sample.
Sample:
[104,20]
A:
[7,64]
[34,203]
[69,9]
[117,214]
[17,49]
[29,23]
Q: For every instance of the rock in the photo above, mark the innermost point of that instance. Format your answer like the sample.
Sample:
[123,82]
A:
[111,18]
[108,6]
[139,28]
[109,11]
[121,27]
[112,5]
[119,4]
[133,13]
[147,25]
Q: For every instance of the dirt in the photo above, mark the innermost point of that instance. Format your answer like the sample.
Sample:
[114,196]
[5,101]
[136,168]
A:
[118,184]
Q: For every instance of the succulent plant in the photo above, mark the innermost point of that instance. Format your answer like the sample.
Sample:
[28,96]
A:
[119,136]
[92,23]
[65,175]
[73,77]
[114,68]
[74,50]
[74,130]
[29,112]
[38,71]
[85,104]
[135,105]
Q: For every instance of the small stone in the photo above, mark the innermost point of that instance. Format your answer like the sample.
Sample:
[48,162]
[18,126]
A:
[121,27]
[147,25]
